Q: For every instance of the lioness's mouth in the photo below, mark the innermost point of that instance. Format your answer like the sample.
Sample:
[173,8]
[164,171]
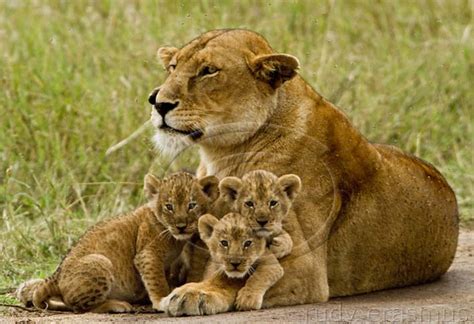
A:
[194,134]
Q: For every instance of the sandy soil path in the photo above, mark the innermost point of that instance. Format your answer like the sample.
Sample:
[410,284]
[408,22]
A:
[451,299]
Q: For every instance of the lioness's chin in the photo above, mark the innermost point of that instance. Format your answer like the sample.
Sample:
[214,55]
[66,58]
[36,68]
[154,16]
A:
[171,144]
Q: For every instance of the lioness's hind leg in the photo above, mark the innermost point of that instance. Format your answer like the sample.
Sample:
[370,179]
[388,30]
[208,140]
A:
[113,306]
[86,283]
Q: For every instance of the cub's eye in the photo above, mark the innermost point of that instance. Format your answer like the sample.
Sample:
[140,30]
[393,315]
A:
[273,203]
[247,244]
[171,67]
[249,204]
[169,207]
[192,205]
[224,243]
[208,70]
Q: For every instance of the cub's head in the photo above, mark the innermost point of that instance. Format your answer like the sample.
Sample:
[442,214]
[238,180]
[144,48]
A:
[232,243]
[262,197]
[220,89]
[179,200]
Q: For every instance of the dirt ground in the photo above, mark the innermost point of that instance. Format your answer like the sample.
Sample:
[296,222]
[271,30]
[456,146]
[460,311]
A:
[450,299]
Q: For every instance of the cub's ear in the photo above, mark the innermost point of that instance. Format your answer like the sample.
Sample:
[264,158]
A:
[291,185]
[166,54]
[152,186]
[210,186]
[274,68]
[206,225]
[229,187]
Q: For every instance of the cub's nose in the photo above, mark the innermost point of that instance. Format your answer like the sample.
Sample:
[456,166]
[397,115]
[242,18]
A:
[164,107]
[262,222]
[181,228]
[152,96]
[235,264]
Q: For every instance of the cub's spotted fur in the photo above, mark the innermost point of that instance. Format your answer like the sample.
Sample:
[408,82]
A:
[121,260]
[241,258]
[265,200]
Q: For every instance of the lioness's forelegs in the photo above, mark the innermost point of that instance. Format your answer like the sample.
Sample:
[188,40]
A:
[305,280]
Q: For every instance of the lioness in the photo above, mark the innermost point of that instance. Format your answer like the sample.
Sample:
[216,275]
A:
[121,260]
[243,263]
[370,217]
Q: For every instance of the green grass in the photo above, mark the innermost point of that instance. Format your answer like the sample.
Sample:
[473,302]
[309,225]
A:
[75,76]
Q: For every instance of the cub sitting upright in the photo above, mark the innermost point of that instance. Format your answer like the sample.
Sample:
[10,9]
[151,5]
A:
[121,260]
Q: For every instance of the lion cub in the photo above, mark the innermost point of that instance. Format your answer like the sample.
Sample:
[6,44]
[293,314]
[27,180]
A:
[121,260]
[265,200]
[240,254]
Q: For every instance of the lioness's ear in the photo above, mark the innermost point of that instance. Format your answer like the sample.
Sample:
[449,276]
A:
[152,185]
[291,185]
[229,187]
[166,54]
[274,68]
[210,186]
[206,225]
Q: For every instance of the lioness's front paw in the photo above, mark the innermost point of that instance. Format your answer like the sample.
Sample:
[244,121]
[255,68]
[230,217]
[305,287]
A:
[248,300]
[191,299]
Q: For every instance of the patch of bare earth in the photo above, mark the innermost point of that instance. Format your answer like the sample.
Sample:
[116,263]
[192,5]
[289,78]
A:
[450,299]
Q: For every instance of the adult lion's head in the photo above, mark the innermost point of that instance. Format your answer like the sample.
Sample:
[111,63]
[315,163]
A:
[221,88]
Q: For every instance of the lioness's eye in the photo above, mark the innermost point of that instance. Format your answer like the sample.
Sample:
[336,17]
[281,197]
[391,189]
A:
[249,204]
[207,70]
[273,203]
[192,205]
[247,243]
[169,207]
[224,243]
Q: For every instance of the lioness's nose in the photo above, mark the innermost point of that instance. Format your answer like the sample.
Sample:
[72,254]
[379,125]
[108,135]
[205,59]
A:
[152,96]
[164,107]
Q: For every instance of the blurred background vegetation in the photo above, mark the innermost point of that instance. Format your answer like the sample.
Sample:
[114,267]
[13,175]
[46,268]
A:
[75,76]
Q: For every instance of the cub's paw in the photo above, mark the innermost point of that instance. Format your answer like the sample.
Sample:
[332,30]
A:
[280,247]
[193,299]
[248,300]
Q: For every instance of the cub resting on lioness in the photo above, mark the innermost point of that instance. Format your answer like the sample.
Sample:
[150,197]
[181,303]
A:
[369,217]
[121,260]
[265,200]
[241,259]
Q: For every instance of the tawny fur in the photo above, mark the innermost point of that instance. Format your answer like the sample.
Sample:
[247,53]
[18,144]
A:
[244,267]
[122,260]
[265,200]
[369,216]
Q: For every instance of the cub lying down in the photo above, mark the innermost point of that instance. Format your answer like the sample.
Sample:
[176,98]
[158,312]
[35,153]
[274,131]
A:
[121,260]
[241,259]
